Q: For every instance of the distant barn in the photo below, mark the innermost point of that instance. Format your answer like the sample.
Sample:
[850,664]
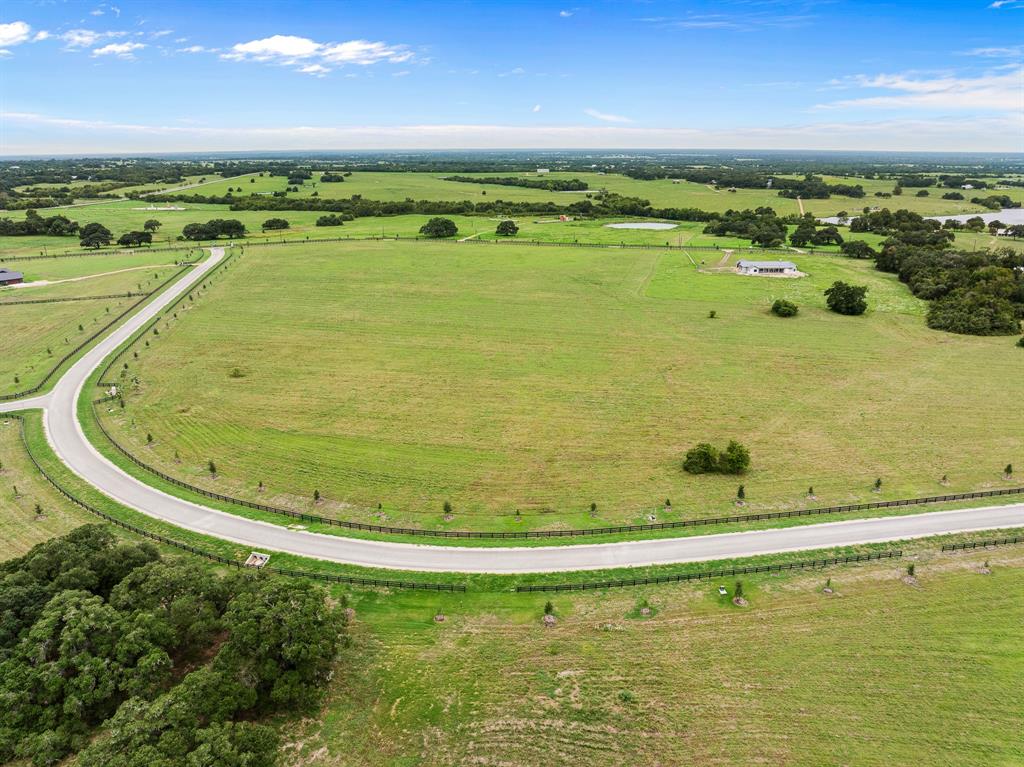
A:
[766,267]
[8,277]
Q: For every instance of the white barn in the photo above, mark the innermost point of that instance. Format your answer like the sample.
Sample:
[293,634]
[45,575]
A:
[766,267]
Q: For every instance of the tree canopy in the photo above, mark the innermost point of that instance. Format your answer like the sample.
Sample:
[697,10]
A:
[439,227]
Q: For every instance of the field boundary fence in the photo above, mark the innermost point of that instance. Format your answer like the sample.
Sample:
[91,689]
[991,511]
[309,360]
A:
[729,572]
[328,577]
[982,544]
[71,298]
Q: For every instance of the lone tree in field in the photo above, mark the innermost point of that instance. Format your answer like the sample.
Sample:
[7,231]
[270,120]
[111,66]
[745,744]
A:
[549,608]
[212,467]
[784,308]
[439,228]
[701,459]
[735,459]
[316,496]
[1008,471]
[152,225]
[507,228]
[846,299]
[878,485]
[274,223]
[447,507]
[741,493]
[94,236]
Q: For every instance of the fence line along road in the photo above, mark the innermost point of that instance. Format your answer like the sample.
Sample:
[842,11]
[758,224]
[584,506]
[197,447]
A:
[723,573]
[982,544]
[354,580]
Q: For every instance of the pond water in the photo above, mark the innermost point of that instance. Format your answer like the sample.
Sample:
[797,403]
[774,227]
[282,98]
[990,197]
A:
[1008,216]
[642,225]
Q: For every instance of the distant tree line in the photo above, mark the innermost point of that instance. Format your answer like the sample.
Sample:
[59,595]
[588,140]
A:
[214,228]
[549,184]
[34,224]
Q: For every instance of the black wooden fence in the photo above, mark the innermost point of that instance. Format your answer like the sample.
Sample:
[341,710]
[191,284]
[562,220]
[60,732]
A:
[381,582]
[708,574]
[982,544]
[71,298]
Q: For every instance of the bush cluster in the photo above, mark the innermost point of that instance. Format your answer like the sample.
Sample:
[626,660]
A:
[705,458]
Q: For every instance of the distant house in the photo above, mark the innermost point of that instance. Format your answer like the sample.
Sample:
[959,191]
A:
[766,267]
[967,186]
[8,277]
[543,170]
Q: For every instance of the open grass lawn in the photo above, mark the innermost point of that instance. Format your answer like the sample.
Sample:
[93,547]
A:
[35,336]
[544,379]
[878,674]
[21,527]
[63,268]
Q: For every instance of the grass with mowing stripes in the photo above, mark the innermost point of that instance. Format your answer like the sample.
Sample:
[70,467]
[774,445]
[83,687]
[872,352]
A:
[542,379]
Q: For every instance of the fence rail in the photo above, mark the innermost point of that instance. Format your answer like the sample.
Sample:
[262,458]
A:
[72,298]
[982,544]
[354,580]
[531,534]
[71,354]
[723,573]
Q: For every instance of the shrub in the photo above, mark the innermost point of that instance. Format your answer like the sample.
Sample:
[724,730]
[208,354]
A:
[274,223]
[735,459]
[846,299]
[447,507]
[784,308]
[549,608]
[701,459]
[331,219]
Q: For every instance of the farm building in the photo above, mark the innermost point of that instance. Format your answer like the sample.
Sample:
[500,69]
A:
[766,267]
[543,170]
[8,277]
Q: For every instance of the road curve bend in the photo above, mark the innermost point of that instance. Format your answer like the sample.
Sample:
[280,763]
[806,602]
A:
[70,444]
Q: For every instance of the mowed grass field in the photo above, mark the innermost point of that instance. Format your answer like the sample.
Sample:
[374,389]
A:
[545,379]
[35,336]
[879,673]
[21,527]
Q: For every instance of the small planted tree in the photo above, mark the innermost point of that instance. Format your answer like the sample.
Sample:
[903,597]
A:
[1008,471]
[810,491]
[738,591]
[910,570]
[211,467]
[549,609]
[316,496]
[447,507]
[712,314]
[878,485]
[593,507]
[735,459]
[149,439]
[741,493]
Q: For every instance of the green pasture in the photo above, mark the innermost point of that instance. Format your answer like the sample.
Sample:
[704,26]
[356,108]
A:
[545,379]
[36,336]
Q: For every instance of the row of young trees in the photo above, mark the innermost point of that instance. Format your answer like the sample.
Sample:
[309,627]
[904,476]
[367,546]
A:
[176,664]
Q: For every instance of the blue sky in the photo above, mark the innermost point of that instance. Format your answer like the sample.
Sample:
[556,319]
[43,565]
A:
[182,75]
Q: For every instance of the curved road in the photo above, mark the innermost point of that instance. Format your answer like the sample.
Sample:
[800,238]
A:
[69,443]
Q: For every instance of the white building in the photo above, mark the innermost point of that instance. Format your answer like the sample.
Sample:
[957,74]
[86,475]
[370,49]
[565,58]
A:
[766,267]
[543,170]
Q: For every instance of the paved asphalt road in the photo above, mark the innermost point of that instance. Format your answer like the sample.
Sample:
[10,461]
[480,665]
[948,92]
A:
[66,437]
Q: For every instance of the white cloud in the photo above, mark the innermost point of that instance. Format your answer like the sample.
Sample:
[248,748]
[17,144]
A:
[14,33]
[565,14]
[96,12]
[289,50]
[197,49]
[536,108]
[401,73]
[998,92]
[997,52]
[121,50]
[606,117]
[317,70]
[54,135]
[1007,4]
[42,34]
[515,72]
[277,46]
[86,38]
[364,52]
[162,33]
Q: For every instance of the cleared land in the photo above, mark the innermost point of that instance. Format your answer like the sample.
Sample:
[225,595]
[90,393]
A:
[544,379]
[880,673]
